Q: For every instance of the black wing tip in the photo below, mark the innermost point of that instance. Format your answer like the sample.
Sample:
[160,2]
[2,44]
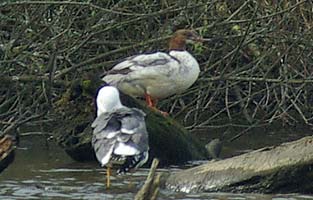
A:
[133,162]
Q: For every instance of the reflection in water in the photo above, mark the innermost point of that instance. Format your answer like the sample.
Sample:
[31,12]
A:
[46,172]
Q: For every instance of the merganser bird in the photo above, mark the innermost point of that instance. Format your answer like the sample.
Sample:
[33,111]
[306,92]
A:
[119,135]
[157,75]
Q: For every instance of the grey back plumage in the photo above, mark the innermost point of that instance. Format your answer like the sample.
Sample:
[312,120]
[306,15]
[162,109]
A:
[124,125]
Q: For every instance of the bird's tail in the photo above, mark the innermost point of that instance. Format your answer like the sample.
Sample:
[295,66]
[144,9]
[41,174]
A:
[133,162]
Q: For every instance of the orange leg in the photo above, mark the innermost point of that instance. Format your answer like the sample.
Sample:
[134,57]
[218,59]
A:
[152,103]
[149,101]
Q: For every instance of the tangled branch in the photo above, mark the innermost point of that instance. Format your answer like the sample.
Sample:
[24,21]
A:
[255,71]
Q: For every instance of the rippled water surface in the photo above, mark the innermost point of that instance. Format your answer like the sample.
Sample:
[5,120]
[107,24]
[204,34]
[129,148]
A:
[44,171]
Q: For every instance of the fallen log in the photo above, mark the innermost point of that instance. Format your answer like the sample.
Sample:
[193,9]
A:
[286,168]
[170,142]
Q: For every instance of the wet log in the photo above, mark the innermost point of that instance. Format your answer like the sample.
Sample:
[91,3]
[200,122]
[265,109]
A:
[286,168]
[170,142]
[6,151]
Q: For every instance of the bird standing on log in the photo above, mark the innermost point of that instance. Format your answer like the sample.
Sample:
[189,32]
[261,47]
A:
[158,75]
[119,133]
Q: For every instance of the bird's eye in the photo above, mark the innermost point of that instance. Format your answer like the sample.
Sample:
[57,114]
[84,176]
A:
[188,34]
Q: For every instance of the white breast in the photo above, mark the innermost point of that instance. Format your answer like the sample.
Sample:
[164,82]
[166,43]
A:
[175,77]
[188,71]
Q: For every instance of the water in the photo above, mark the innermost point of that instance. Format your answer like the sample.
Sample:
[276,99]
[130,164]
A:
[42,170]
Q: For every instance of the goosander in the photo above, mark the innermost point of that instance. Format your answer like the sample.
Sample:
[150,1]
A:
[158,75]
[119,133]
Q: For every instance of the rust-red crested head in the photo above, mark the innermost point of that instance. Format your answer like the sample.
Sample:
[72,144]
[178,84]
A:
[181,37]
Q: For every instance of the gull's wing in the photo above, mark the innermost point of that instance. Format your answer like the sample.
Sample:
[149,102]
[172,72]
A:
[122,132]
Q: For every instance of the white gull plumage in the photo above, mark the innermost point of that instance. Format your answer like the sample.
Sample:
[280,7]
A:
[158,75]
[119,132]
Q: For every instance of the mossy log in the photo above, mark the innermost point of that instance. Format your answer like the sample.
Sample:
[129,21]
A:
[7,153]
[169,141]
[286,168]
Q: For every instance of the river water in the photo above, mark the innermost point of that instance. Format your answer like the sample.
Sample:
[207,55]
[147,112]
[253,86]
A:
[42,170]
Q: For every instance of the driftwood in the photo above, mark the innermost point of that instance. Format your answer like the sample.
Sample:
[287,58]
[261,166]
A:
[286,168]
[150,190]
[6,152]
[170,142]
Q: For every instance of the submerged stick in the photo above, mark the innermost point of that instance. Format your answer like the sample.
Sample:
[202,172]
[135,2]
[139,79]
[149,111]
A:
[150,189]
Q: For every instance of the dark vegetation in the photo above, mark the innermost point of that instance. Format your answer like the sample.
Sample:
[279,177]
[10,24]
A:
[255,71]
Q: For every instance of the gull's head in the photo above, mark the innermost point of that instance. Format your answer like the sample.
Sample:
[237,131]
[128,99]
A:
[108,99]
